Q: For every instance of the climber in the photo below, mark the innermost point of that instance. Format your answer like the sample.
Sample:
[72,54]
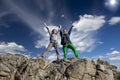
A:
[53,42]
[66,42]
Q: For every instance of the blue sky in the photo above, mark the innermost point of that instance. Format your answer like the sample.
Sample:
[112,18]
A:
[95,34]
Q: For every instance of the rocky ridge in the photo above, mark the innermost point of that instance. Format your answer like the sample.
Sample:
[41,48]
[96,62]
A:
[19,67]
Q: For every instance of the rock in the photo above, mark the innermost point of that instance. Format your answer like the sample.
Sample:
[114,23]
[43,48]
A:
[81,69]
[109,74]
[117,76]
[19,67]
[100,76]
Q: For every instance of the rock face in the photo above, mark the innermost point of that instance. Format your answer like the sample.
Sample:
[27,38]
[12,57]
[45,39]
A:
[19,67]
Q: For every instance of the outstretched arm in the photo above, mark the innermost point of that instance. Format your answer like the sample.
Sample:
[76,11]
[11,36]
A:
[60,30]
[69,32]
[47,28]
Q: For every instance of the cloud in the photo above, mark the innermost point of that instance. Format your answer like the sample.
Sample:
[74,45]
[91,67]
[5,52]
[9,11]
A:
[4,13]
[84,45]
[100,42]
[11,47]
[88,23]
[112,48]
[33,20]
[115,58]
[28,18]
[51,56]
[83,35]
[62,16]
[114,20]
[2,23]
[114,55]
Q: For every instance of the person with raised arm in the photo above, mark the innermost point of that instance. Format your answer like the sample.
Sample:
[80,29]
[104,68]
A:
[53,42]
[66,42]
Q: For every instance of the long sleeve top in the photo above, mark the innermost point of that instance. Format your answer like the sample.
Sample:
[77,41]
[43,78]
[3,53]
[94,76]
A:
[53,37]
[65,38]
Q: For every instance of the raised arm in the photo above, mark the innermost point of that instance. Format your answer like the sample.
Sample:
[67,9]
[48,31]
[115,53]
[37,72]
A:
[69,32]
[47,28]
[60,30]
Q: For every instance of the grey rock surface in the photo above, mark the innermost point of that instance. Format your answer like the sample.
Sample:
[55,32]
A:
[19,67]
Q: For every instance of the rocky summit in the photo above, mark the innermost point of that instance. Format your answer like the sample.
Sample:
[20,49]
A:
[19,67]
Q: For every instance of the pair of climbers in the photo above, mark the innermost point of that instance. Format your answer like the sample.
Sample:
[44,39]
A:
[65,42]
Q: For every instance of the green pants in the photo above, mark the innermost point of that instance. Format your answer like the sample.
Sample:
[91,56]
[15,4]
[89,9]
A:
[70,45]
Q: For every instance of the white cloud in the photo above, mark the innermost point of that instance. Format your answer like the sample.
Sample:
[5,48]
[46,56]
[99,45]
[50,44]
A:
[34,21]
[2,23]
[62,16]
[3,14]
[113,53]
[51,56]
[116,63]
[88,23]
[84,45]
[112,48]
[100,57]
[114,20]
[11,47]
[113,56]
[31,20]
[83,35]
[100,42]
